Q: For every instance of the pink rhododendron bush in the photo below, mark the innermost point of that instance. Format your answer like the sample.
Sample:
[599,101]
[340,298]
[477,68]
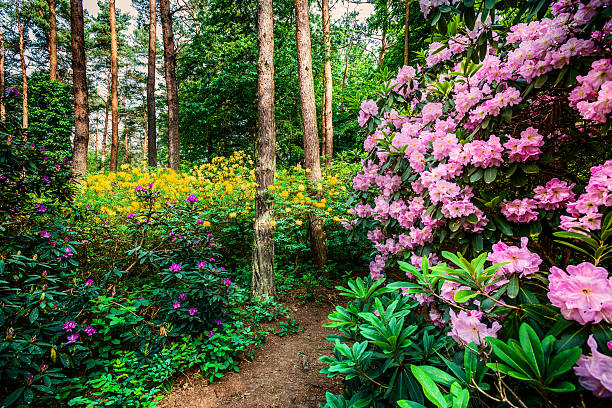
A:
[487,193]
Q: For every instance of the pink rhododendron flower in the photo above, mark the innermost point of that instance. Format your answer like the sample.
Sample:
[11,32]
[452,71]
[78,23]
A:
[595,371]
[466,327]
[554,195]
[521,211]
[175,268]
[583,294]
[521,260]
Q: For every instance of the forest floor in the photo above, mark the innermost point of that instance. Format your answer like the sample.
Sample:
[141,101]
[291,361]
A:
[284,374]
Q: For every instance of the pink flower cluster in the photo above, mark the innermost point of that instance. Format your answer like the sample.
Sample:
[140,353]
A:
[583,294]
[595,371]
[521,211]
[555,194]
[593,97]
[467,327]
[585,212]
[368,109]
[520,260]
[527,147]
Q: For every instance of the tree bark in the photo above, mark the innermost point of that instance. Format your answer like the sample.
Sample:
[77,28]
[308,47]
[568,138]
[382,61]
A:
[145,141]
[108,98]
[24,74]
[126,138]
[114,92]
[96,137]
[328,82]
[52,42]
[2,106]
[407,34]
[347,53]
[171,87]
[151,119]
[318,242]
[263,233]
[79,88]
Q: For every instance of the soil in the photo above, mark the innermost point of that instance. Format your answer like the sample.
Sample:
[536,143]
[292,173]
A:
[285,373]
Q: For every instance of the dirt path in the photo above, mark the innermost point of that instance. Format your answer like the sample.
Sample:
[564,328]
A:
[277,377]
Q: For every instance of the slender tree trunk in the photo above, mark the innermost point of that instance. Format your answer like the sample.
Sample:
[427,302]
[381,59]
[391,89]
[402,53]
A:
[171,87]
[126,137]
[24,74]
[114,92]
[328,82]
[383,47]
[151,125]
[52,42]
[2,106]
[145,140]
[79,87]
[318,241]
[323,129]
[108,98]
[96,137]
[345,74]
[263,233]
[407,34]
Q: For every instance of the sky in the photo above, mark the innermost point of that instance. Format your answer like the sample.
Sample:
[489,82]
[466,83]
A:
[337,8]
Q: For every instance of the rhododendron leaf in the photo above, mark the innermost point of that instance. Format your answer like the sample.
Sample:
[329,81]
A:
[563,386]
[490,174]
[454,225]
[464,295]
[513,287]
[532,347]
[540,81]
[439,376]
[430,389]
[503,226]
[518,179]
[508,355]
[577,248]
[507,115]
[562,363]
[409,404]
[531,168]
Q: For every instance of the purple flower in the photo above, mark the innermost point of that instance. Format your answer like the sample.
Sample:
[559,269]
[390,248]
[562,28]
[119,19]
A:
[45,234]
[211,259]
[192,198]
[218,322]
[30,378]
[202,264]
[90,330]
[40,207]
[183,296]
[227,282]
[212,244]
[72,338]
[176,305]
[609,344]
[46,179]
[594,371]
[141,298]
[209,235]
[467,327]
[13,91]
[130,215]
[175,268]
[210,334]
[89,282]
[193,311]
[69,325]
[199,222]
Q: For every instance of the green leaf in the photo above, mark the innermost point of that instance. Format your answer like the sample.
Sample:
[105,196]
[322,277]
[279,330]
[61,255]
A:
[14,396]
[513,287]
[490,174]
[33,315]
[463,295]
[563,386]
[430,389]
[540,81]
[532,347]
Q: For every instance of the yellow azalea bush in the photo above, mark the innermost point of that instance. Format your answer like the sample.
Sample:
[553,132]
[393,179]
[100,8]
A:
[225,188]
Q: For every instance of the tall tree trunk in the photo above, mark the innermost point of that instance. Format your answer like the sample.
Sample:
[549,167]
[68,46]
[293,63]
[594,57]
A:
[263,234]
[24,74]
[114,92]
[171,87]
[407,34]
[318,241]
[145,140]
[126,137]
[96,137]
[52,42]
[347,53]
[151,125]
[79,87]
[108,98]
[383,46]
[328,82]
[2,106]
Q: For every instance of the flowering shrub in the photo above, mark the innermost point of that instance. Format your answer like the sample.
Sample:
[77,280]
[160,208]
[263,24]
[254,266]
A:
[497,150]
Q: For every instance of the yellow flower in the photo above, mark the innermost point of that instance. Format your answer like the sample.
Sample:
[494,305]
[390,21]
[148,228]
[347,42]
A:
[298,223]
[273,224]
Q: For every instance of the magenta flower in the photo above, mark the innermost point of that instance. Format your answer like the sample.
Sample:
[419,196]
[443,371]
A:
[131,215]
[45,234]
[521,260]
[227,282]
[72,338]
[90,330]
[176,305]
[218,322]
[40,207]
[210,334]
[89,282]
[583,294]
[199,222]
[175,268]
[69,325]
[594,371]
[202,264]
[211,259]
[467,327]
[183,296]
[192,198]
[193,311]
